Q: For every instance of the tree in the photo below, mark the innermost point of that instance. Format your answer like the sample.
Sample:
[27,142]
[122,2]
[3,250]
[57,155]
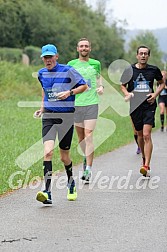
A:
[12,23]
[148,39]
[61,22]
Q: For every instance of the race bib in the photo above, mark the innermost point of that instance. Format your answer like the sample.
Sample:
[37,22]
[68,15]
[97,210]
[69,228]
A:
[51,94]
[141,86]
[163,92]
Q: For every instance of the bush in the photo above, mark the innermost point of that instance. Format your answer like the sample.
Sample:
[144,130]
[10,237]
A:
[11,54]
[16,80]
[33,54]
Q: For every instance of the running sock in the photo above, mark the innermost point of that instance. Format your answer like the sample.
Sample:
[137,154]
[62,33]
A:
[88,168]
[47,165]
[68,169]
[162,119]
[136,137]
[144,160]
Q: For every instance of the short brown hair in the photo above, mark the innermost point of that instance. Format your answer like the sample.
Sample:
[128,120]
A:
[83,39]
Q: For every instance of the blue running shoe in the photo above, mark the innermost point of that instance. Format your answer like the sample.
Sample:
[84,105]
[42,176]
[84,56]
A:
[138,150]
[44,197]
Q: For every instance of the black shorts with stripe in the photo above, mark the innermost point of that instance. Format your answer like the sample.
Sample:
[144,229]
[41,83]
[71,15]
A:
[58,124]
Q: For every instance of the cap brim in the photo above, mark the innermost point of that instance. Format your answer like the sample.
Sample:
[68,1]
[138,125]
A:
[47,54]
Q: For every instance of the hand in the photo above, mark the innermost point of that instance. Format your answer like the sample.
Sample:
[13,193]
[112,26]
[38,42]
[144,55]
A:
[129,96]
[37,113]
[100,90]
[63,95]
[151,98]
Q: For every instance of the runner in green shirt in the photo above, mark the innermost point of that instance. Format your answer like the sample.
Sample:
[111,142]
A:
[86,104]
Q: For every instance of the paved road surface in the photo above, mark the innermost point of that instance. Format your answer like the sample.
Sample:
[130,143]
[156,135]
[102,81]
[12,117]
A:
[119,211]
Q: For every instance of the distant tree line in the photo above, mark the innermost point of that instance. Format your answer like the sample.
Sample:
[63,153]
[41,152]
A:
[62,22]
[32,24]
[145,38]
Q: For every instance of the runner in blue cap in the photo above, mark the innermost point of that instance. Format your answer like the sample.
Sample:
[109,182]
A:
[60,83]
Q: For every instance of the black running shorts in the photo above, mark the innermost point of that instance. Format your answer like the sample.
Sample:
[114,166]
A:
[142,116]
[162,99]
[61,124]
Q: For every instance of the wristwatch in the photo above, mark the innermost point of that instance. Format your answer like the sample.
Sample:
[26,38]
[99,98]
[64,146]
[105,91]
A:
[71,92]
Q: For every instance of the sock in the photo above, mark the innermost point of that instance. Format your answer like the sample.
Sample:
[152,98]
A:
[144,160]
[88,167]
[135,137]
[162,119]
[68,169]
[84,160]
[84,163]
[47,165]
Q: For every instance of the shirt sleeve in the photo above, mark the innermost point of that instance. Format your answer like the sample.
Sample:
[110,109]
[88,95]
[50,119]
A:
[76,78]
[158,76]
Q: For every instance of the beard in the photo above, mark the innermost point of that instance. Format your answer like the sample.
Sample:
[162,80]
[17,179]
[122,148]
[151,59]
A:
[84,54]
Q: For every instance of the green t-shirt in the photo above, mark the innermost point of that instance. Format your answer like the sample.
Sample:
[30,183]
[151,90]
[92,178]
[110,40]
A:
[90,70]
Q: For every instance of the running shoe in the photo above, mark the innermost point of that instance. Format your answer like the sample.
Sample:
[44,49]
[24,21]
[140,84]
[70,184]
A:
[138,150]
[44,197]
[71,192]
[162,128]
[86,175]
[145,171]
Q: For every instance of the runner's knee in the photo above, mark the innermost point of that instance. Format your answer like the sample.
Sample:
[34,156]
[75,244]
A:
[147,136]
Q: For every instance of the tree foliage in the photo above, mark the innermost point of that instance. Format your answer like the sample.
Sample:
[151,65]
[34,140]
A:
[148,39]
[12,21]
[62,22]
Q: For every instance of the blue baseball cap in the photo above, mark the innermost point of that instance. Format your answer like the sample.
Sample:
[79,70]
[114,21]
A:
[48,49]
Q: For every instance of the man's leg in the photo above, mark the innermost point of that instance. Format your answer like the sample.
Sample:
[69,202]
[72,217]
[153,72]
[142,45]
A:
[89,126]
[136,138]
[87,142]
[81,135]
[45,196]
[65,158]
[162,109]
[141,144]
[47,164]
[148,146]
[65,134]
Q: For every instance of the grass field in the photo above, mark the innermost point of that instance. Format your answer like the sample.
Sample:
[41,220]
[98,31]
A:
[20,131]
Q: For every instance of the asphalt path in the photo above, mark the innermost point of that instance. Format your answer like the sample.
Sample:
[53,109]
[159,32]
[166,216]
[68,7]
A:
[118,211]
